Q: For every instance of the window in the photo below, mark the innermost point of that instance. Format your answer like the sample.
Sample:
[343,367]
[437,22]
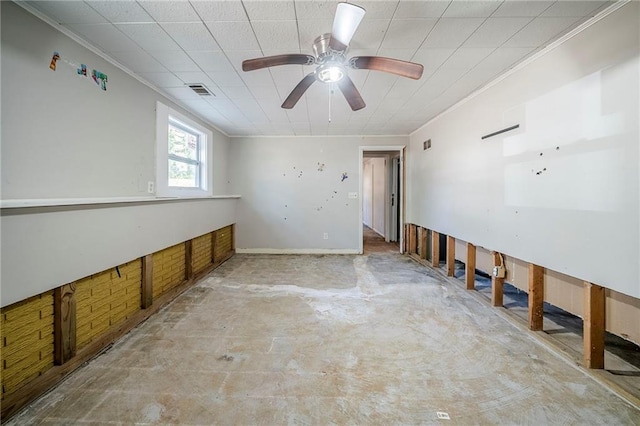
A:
[183,150]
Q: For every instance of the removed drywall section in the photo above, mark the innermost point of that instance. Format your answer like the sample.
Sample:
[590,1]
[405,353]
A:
[46,247]
[563,190]
[563,291]
[288,203]
[64,137]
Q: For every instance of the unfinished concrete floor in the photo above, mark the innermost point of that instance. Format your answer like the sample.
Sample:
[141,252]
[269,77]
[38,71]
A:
[312,339]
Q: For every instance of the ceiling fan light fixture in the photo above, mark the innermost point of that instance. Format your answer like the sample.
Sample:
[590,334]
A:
[345,24]
[330,73]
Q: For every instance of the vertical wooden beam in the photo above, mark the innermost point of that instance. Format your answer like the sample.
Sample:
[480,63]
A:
[594,325]
[64,323]
[412,238]
[147,281]
[497,284]
[403,240]
[214,236]
[233,237]
[470,267]
[435,249]
[451,256]
[423,243]
[536,297]
[188,259]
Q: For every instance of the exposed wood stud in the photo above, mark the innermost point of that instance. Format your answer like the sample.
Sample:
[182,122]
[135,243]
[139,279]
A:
[423,243]
[233,237]
[147,281]
[470,267]
[405,238]
[536,297]
[497,284]
[64,311]
[188,259]
[412,239]
[214,236]
[435,249]
[594,325]
[451,256]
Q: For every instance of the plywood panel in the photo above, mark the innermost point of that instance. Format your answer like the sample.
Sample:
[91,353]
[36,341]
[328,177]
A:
[623,316]
[484,260]
[461,251]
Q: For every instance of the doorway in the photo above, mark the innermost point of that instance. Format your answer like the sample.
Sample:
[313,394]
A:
[382,199]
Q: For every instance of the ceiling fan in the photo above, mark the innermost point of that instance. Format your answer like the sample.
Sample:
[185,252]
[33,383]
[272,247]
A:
[330,56]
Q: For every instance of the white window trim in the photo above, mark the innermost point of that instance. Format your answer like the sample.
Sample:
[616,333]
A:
[163,112]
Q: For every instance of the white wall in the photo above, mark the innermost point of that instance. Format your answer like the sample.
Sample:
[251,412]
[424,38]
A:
[288,203]
[379,194]
[63,137]
[563,191]
[367,193]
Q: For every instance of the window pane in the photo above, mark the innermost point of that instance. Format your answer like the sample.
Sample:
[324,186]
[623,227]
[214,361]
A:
[183,143]
[183,174]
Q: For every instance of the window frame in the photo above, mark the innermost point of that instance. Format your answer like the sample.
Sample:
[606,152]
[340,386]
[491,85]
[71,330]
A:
[165,116]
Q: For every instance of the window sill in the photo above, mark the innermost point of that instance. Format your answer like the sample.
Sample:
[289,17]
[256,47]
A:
[55,202]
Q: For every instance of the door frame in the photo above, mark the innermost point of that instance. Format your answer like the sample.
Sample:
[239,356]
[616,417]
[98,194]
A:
[401,151]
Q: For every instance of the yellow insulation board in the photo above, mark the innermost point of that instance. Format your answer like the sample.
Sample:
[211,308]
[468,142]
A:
[201,252]
[106,299]
[223,242]
[168,269]
[27,340]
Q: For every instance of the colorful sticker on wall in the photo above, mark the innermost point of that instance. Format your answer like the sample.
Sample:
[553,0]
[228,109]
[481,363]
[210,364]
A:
[98,77]
[54,59]
[344,176]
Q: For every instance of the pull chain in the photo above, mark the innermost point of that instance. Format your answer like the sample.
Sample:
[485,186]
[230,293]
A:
[330,96]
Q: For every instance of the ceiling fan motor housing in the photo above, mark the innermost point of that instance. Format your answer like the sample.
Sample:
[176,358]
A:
[324,53]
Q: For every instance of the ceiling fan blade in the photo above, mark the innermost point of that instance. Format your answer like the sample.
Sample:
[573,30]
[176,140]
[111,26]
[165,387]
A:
[351,94]
[298,91]
[272,61]
[393,66]
[348,17]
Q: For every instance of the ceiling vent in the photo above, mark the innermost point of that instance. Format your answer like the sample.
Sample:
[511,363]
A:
[201,89]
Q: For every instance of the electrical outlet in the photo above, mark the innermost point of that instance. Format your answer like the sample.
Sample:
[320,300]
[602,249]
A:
[499,271]
[151,187]
[325,236]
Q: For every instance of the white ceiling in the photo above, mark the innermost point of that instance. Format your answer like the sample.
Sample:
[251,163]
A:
[462,44]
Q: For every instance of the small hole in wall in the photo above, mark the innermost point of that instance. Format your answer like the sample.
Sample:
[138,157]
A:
[426,144]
